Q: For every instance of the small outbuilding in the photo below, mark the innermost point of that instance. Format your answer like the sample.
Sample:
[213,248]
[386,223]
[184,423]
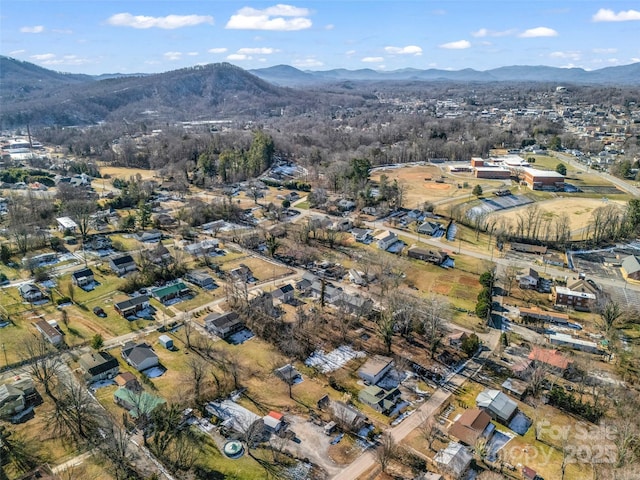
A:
[166,341]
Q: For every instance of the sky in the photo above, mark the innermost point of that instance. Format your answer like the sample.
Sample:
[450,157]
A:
[149,36]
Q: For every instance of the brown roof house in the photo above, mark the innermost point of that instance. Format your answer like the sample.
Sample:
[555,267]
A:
[550,357]
[473,424]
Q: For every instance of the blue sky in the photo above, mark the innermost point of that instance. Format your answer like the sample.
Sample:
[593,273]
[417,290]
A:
[97,36]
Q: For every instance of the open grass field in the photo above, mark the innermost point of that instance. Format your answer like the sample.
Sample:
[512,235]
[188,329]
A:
[262,270]
[421,186]
[124,173]
[578,209]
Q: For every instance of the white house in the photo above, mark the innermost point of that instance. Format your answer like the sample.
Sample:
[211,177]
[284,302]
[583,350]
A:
[385,239]
[66,223]
[375,368]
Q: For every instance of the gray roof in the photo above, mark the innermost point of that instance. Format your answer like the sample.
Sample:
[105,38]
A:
[122,260]
[497,402]
[131,302]
[96,363]
[136,354]
[631,264]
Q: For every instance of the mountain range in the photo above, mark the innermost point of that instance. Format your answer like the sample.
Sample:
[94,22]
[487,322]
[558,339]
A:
[32,94]
[621,75]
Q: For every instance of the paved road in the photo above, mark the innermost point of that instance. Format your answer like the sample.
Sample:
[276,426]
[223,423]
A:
[618,182]
[429,408]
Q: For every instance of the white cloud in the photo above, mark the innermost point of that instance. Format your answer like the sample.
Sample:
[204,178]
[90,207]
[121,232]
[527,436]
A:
[53,59]
[459,45]
[17,52]
[307,63]
[483,32]
[192,54]
[635,59]
[539,32]
[606,15]
[279,17]
[217,50]
[372,59]
[43,56]
[238,56]
[605,50]
[575,55]
[350,52]
[169,22]
[173,56]
[35,29]
[257,51]
[408,50]
[439,12]
[329,26]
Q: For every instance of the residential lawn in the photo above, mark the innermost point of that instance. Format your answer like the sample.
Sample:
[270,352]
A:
[38,433]
[201,298]
[243,468]
[302,205]
[13,338]
[262,270]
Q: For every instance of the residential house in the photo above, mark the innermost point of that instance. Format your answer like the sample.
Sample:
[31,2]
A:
[122,264]
[354,303]
[131,306]
[16,395]
[98,366]
[497,404]
[201,279]
[375,368]
[82,277]
[288,374]
[564,340]
[552,358]
[284,294]
[158,256]
[223,324]
[242,274]
[128,380]
[12,401]
[273,421]
[456,338]
[431,256]
[455,459]
[169,292]
[151,236]
[383,401]
[137,403]
[555,259]
[345,205]
[430,228]
[565,297]
[515,387]
[140,356]
[321,288]
[473,424]
[630,267]
[361,235]
[30,292]
[48,331]
[385,239]
[304,284]
[205,247]
[347,416]
[259,300]
[342,225]
[66,223]
[535,314]
[530,280]
[233,416]
[583,285]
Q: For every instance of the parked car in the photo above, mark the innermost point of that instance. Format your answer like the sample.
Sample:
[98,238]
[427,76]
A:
[99,312]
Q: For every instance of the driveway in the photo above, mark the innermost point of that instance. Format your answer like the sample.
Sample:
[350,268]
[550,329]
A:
[314,444]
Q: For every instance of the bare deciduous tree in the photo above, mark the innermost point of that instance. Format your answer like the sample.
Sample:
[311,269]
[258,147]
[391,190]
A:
[386,451]
[43,362]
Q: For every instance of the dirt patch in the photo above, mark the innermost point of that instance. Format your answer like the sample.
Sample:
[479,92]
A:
[437,186]
[441,289]
[471,281]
